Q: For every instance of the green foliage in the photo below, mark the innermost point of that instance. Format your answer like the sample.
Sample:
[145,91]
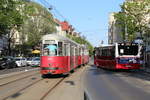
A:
[30,19]
[82,41]
[134,18]
[9,16]
[39,21]
[126,21]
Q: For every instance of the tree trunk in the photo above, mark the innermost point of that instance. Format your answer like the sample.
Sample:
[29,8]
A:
[9,47]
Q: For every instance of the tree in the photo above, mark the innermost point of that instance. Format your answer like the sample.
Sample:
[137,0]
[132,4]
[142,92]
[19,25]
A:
[38,22]
[9,18]
[134,17]
[82,40]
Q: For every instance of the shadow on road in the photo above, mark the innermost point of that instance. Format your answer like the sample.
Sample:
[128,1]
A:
[70,82]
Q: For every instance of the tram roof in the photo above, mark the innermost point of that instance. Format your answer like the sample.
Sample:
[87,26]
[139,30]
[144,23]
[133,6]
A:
[55,36]
[106,45]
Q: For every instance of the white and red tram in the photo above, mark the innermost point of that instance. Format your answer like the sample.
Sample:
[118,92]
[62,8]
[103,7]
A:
[60,55]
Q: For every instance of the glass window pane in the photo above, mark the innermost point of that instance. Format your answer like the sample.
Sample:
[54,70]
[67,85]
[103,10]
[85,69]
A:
[50,50]
[60,49]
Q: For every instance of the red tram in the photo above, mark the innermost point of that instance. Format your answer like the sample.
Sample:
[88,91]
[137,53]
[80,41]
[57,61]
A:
[118,56]
[61,55]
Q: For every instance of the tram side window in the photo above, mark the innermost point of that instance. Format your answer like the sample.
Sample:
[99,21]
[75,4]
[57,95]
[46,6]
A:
[72,51]
[76,51]
[60,48]
[79,51]
[65,50]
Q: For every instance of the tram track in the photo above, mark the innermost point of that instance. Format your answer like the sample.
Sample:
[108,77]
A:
[55,86]
[18,79]
[52,88]
[5,98]
[25,89]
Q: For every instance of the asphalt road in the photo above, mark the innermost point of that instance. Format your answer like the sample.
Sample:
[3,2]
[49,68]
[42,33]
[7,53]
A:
[100,84]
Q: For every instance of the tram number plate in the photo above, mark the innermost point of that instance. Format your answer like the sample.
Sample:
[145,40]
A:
[128,66]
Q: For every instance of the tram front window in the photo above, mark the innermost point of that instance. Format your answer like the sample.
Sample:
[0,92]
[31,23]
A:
[50,50]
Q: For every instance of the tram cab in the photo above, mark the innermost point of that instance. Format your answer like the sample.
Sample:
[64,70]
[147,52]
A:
[59,54]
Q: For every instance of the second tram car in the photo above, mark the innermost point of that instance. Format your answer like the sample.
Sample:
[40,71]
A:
[118,56]
[61,55]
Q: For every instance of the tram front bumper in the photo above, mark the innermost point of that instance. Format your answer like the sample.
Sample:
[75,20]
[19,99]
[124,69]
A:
[50,70]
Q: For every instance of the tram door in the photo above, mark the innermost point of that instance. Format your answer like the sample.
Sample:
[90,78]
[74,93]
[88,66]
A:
[82,55]
[71,56]
[67,55]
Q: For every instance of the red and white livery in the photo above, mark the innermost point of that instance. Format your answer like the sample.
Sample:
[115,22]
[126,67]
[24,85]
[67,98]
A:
[118,56]
[60,55]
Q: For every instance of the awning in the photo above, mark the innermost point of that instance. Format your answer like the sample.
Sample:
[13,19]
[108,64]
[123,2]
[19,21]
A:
[36,51]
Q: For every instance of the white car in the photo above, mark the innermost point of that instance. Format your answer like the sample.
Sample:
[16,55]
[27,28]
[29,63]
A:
[21,61]
[29,61]
[35,61]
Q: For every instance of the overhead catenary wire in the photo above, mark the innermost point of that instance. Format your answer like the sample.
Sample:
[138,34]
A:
[54,8]
[56,12]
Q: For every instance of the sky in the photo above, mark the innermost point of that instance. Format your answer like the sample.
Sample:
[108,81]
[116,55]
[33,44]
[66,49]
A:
[90,17]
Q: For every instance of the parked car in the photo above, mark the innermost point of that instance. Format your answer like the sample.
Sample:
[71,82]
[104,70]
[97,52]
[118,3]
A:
[35,62]
[29,61]
[20,61]
[7,62]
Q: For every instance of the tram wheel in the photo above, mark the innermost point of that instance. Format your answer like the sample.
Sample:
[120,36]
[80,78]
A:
[72,71]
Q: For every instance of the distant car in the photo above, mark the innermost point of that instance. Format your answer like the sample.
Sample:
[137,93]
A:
[35,62]
[7,62]
[29,61]
[21,61]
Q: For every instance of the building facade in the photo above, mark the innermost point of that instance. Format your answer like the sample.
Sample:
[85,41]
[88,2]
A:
[114,32]
[3,45]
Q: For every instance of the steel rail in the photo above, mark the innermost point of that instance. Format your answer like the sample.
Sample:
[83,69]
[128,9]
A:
[51,89]
[5,98]
[18,79]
